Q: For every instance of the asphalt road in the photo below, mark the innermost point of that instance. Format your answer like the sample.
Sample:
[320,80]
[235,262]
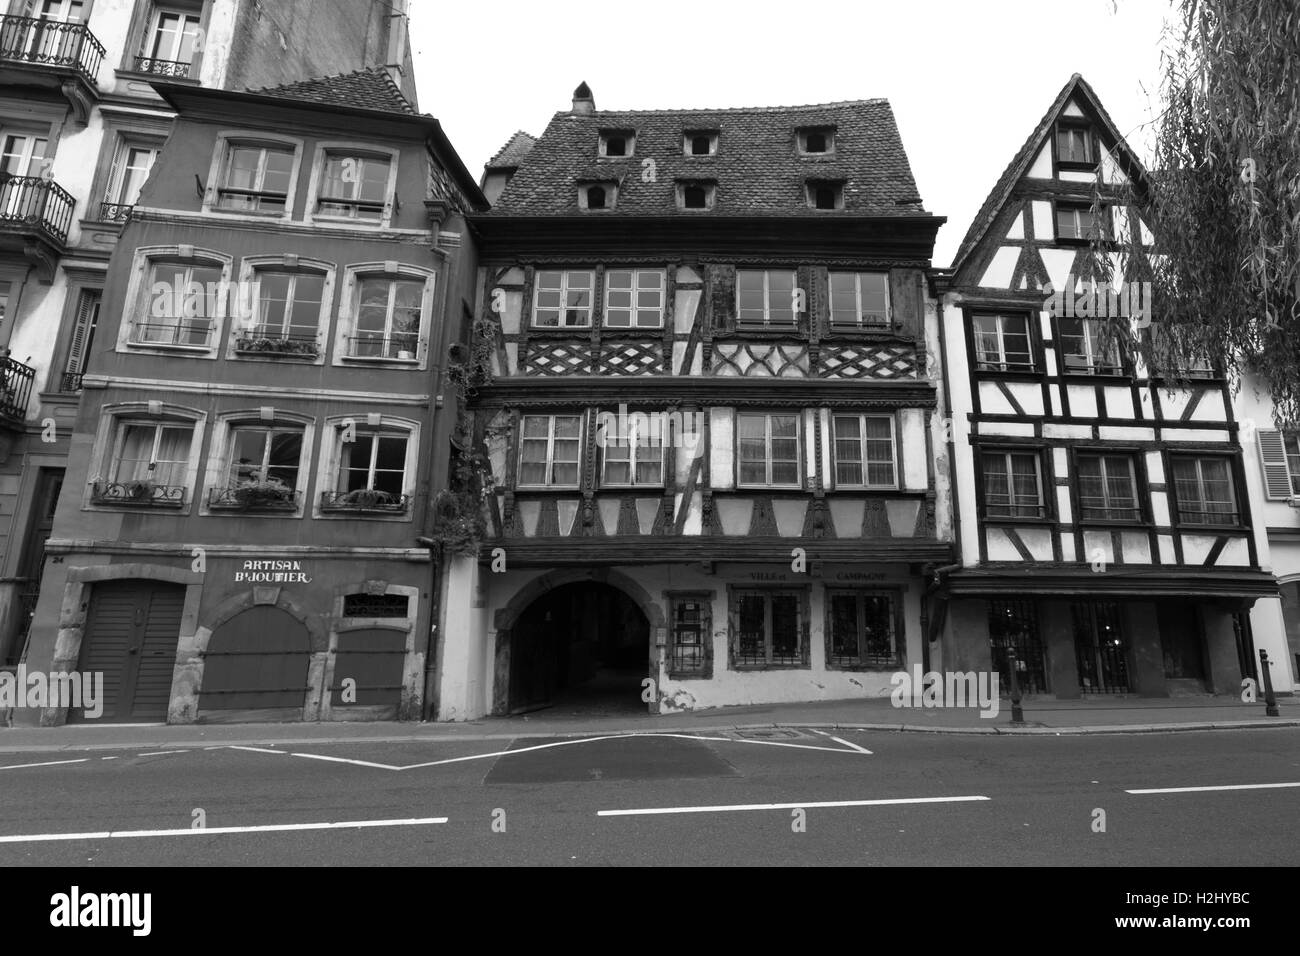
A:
[963,800]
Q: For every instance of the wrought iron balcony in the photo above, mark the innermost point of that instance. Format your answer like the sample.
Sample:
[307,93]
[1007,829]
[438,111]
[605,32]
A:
[115,211]
[252,499]
[36,207]
[139,494]
[51,43]
[365,501]
[149,64]
[402,347]
[15,390]
[269,342]
[71,382]
[174,331]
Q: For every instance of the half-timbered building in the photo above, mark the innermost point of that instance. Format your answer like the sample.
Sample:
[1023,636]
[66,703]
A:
[1107,533]
[707,415]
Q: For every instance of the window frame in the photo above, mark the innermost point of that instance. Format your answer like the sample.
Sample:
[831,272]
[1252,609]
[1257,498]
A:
[703,669]
[1120,368]
[859,325]
[1197,458]
[768,323]
[1103,222]
[710,188]
[864,463]
[1044,505]
[801,482]
[140,300]
[635,290]
[110,433]
[688,140]
[1091,145]
[330,463]
[735,594]
[550,484]
[217,476]
[347,149]
[813,186]
[584,198]
[1136,481]
[346,329]
[801,140]
[633,459]
[564,291]
[251,268]
[898,632]
[1003,366]
[228,140]
[629,136]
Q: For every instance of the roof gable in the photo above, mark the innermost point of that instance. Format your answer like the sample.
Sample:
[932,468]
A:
[372,89]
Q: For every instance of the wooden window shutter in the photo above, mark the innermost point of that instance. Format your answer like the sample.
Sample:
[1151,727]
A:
[116,175]
[905,302]
[1272,453]
[83,330]
[722,296]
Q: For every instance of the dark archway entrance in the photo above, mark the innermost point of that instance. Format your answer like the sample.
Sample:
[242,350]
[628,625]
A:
[581,647]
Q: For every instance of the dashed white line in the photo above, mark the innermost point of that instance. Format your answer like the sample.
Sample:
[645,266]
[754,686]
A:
[786,806]
[217,831]
[258,750]
[50,763]
[162,753]
[841,740]
[1235,786]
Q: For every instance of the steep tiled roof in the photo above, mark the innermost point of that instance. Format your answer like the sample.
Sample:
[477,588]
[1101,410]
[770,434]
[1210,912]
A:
[513,152]
[1019,164]
[372,89]
[757,168]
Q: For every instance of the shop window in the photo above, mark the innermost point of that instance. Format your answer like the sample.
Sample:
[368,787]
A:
[767,629]
[862,630]
[690,651]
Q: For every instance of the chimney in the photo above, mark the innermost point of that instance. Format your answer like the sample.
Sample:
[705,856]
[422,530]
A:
[583,102]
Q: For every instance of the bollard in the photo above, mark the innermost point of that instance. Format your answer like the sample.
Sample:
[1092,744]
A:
[1017,715]
[1270,701]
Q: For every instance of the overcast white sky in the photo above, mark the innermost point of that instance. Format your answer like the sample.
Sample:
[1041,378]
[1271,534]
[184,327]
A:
[967,79]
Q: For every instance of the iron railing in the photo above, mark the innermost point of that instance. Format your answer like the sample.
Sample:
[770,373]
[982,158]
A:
[178,331]
[36,203]
[1013,625]
[51,43]
[365,500]
[268,342]
[149,64]
[15,389]
[402,346]
[115,211]
[245,499]
[71,381]
[144,494]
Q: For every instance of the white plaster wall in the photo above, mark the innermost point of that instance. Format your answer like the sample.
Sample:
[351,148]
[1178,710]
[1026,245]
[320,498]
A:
[957,367]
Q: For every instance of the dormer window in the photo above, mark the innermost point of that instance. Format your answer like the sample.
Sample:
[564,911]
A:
[696,195]
[597,196]
[617,144]
[1074,147]
[700,143]
[815,141]
[825,195]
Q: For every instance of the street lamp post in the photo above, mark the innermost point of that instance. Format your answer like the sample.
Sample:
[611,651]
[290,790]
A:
[1017,715]
[1270,701]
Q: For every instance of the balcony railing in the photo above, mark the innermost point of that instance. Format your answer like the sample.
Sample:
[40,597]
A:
[249,499]
[271,342]
[401,347]
[141,494]
[39,205]
[115,211]
[149,64]
[71,382]
[51,43]
[366,501]
[15,389]
[195,333]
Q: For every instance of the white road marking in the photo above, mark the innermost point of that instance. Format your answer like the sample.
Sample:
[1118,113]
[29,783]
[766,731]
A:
[1236,786]
[51,763]
[840,740]
[162,753]
[107,758]
[257,750]
[786,806]
[213,831]
[359,763]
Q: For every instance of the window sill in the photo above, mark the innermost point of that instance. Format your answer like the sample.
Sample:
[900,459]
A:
[381,360]
[1194,528]
[1003,519]
[690,675]
[770,667]
[558,330]
[1019,373]
[206,350]
[533,489]
[865,668]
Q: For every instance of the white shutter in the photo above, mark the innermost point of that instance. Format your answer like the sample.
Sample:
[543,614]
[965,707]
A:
[1272,453]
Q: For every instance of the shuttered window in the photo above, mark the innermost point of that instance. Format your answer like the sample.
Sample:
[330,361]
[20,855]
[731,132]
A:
[1279,454]
[83,335]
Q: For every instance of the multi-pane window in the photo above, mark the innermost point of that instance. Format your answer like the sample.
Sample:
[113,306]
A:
[768,629]
[864,451]
[563,299]
[354,186]
[131,166]
[171,42]
[184,302]
[765,297]
[153,452]
[632,456]
[1013,484]
[288,309]
[1084,350]
[1291,441]
[634,298]
[1203,490]
[859,299]
[1074,145]
[255,178]
[264,455]
[769,449]
[1002,343]
[389,310]
[374,461]
[1108,488]
[1078,222]
[862,630]
[549,450]
[689,651]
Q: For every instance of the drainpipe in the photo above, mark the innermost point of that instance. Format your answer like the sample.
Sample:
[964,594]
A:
[954,495]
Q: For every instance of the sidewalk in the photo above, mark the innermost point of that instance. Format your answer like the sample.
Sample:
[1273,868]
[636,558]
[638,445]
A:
[1047,716]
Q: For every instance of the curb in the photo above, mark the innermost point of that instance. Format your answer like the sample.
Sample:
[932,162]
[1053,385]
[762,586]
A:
[612,732]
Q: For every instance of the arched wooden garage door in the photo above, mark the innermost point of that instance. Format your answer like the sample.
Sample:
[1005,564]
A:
[256,661]
[130,637]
